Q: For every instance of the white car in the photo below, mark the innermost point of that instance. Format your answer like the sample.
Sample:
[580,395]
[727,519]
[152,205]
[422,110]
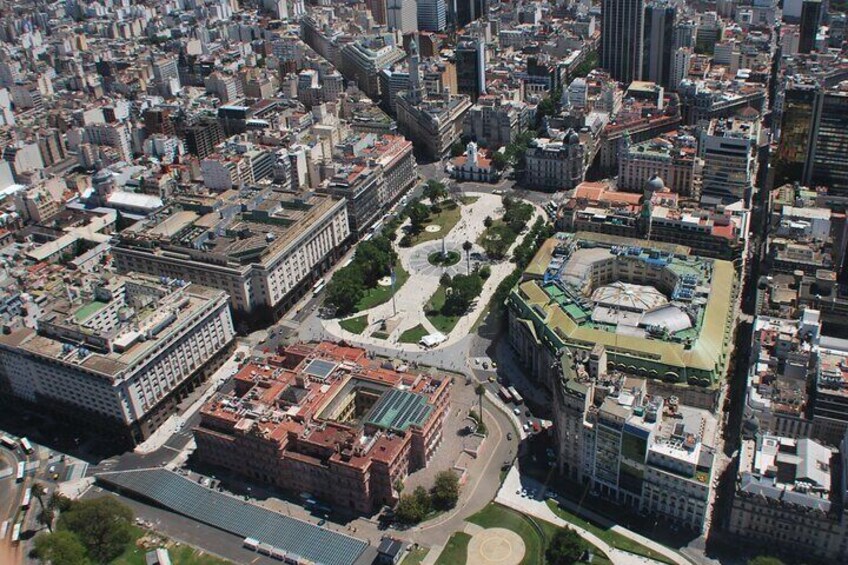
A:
[526,427]
[517,412]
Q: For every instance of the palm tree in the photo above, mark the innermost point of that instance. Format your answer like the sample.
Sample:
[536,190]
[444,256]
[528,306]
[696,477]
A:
[46,514]
[46,517]
[467,248]
[480,391]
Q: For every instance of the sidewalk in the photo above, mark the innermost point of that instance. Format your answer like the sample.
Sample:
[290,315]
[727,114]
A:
[507,496]
[175,422]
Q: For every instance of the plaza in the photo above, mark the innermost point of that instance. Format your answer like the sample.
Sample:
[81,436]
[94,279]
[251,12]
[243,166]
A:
[387,322]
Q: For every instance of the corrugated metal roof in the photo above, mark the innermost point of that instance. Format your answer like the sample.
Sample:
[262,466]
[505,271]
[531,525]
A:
[230,514]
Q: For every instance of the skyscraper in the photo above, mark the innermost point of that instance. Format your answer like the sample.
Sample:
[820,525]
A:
[622,38]
[466,11]
[431,15]
[728,147]
[402,15]
[659,38]
[810,18]
[471,67]
[827,164]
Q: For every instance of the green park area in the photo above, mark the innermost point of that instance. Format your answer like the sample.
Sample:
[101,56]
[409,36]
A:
[355,325]
[611,537]
[413,335]
[500,234]
[361,285]
[538,537]
[453,299]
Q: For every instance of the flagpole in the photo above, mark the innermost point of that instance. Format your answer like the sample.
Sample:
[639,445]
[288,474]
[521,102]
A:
[394,304]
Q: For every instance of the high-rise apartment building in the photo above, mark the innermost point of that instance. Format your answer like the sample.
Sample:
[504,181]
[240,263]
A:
[622,38]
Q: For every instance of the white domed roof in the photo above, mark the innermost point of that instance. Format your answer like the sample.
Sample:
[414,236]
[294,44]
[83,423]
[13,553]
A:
[655,184]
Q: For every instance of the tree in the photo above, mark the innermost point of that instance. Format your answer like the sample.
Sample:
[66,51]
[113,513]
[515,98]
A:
[445,279]
[399,486]
[463,290]
[408,510]
[60,548]
[346,289]
[445,491]
[457,149]
[422,497]
[102,526]
[418,214]
[373,261]
[467,246]
[60,502]
[500,160]
[488,221]
[566,548]
[46,516]
[435,191]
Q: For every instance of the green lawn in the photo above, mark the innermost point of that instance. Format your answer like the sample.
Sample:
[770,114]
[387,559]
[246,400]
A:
[455,551]
[614,539]
[380,294]
[468,200]
[413,335]
[416,556]
[447,218]
[355,325]
[535,533]
[442,323]
[380,335]
[180,554]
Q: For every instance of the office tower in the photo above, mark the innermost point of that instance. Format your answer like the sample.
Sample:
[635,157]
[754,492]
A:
[471,67]
[796,126]
[659,39]
[466,11]
[622,38]
[379,10]
[431,15]
[728,148]
[402,15]
[810,18]
[827,164]
[684,34]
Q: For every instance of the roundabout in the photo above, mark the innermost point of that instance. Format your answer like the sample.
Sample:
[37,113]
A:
[496,546]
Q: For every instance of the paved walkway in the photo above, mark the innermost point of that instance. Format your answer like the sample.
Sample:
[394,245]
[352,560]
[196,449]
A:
[411,299]
[509,495]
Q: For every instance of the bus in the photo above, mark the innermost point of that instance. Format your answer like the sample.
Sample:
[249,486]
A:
[504,394]
[318,287]
[4,529]
[27,498]
[21,470]
[8,442]
[517,398]
[16,532]
[26,445]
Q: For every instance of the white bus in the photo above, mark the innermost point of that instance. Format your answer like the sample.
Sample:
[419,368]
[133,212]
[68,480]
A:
[26,445]
[27,498]
[16,532]
[251,543]
[21,470]
[4,529]
[8,442]
[517,398]
[318,287]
